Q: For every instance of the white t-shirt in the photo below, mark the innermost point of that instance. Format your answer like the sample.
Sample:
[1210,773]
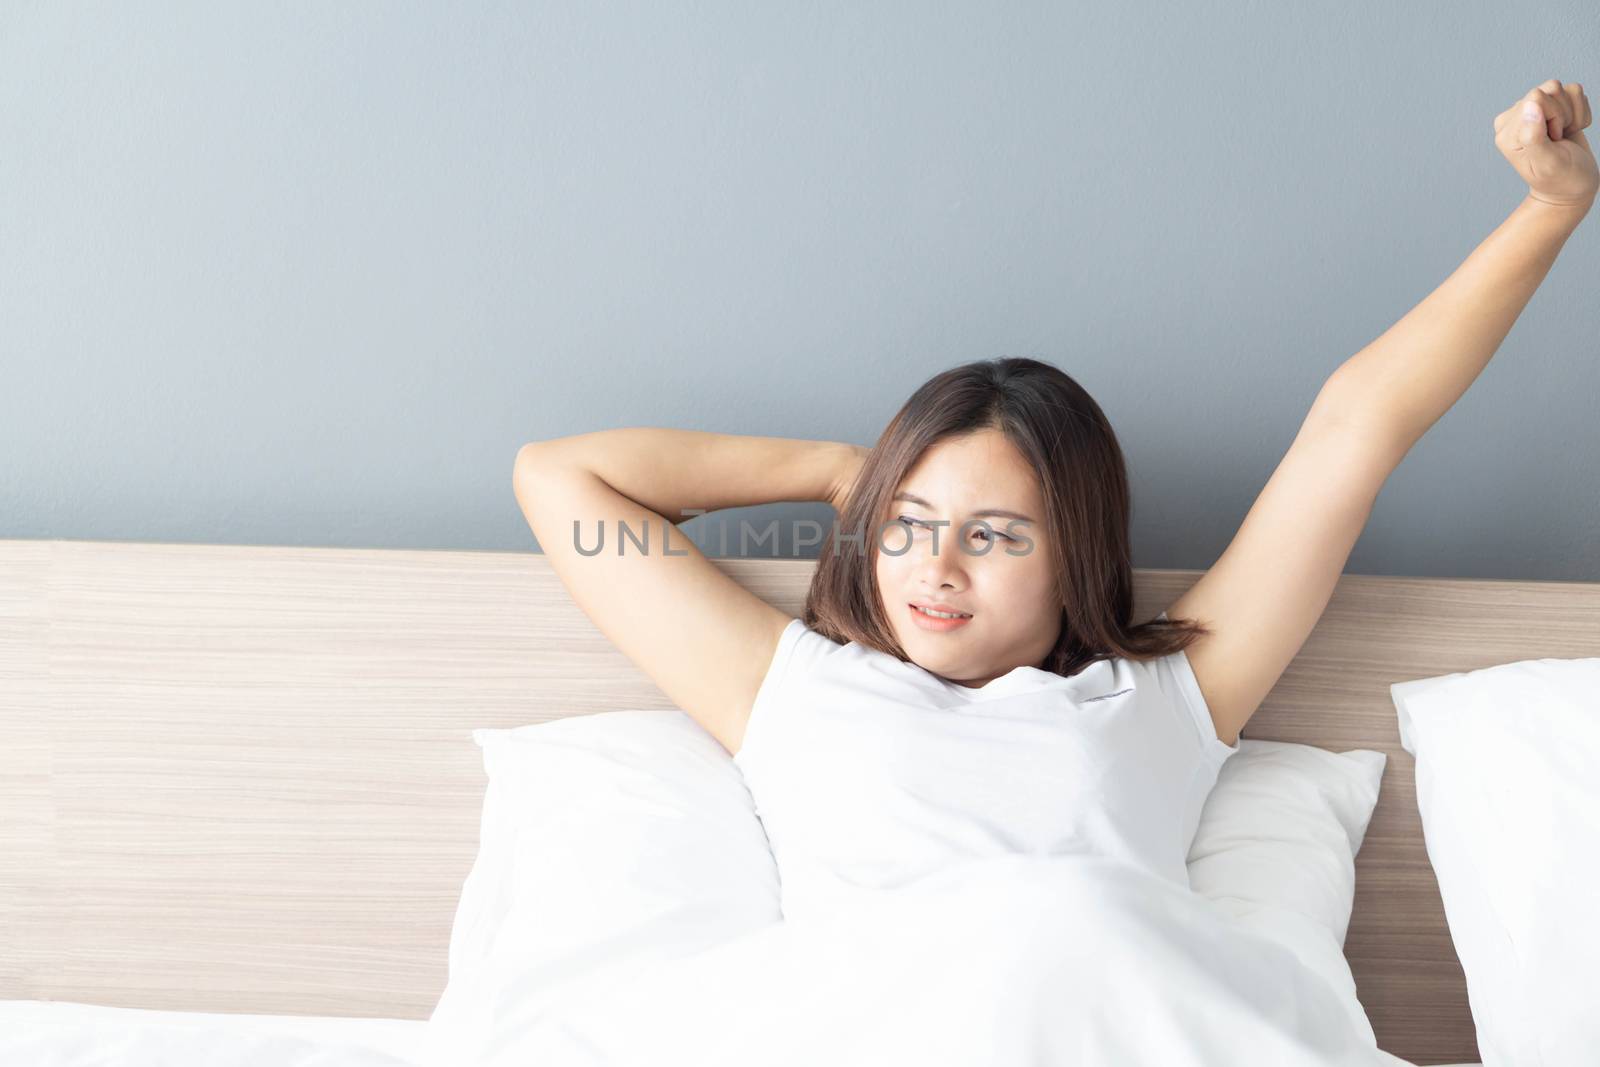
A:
[869,772]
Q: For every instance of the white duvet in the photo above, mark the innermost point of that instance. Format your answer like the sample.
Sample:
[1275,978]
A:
[38,1033]
[1030,960]
[1022,960]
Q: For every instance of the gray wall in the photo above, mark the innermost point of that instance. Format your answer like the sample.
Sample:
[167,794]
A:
[309,274]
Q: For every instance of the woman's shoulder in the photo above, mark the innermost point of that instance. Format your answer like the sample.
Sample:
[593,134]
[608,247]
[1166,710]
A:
[1169,681]
[800,644]
[800,654]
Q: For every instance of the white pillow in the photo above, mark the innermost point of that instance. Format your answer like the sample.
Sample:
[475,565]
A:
[1506,783]
[600,826]
[597,830]
[1276,849]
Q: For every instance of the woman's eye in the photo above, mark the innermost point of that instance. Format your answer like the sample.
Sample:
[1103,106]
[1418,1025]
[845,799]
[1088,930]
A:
[918,524]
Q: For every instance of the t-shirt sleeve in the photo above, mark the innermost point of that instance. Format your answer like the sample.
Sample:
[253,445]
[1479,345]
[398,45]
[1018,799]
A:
[1177,677]
[799,652]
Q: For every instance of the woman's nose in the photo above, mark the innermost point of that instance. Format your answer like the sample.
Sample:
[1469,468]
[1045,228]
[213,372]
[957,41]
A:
[941,566]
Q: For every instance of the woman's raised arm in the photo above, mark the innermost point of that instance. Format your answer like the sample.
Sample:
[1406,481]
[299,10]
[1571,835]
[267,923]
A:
[1402,383]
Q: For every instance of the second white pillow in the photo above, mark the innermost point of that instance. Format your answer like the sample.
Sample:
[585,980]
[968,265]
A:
[1510,804]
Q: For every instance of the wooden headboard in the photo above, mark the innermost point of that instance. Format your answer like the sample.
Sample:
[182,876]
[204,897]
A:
[242,778]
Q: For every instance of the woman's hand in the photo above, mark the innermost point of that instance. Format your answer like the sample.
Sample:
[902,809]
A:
[851,457]
[1540,136]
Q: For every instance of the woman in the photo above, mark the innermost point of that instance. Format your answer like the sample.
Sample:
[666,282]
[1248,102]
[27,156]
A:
[966,683]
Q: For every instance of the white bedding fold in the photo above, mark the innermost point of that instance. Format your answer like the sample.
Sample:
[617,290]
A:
[1017,960]
[39,1033]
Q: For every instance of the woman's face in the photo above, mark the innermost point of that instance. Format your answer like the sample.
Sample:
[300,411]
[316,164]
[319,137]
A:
[1006,587]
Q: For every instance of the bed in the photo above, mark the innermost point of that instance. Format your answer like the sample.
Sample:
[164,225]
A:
[239,780]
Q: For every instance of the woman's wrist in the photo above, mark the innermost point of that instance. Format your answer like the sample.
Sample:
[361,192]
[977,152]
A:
[847,463]
[1572,212]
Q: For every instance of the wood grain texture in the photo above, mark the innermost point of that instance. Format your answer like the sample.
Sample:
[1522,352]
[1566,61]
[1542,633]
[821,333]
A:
[242,778]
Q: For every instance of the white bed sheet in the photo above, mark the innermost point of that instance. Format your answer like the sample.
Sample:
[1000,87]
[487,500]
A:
[47,1033]
[51,1033]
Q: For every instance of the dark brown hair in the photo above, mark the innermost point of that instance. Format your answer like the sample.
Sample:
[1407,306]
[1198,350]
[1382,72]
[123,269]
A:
[1066,438]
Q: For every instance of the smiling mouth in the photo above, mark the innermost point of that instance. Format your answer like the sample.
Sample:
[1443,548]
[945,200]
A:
[928,622]
[932,614]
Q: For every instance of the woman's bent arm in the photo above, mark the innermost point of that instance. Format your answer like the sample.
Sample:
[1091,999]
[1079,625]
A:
[670,470]
[705,640]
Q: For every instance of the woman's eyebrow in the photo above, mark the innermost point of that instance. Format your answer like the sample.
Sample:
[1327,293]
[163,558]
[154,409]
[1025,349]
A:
[999,512]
